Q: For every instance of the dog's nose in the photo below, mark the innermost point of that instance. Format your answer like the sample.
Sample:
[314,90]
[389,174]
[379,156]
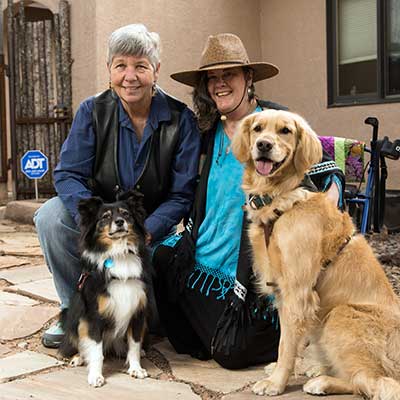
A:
[119,222]
[264,145]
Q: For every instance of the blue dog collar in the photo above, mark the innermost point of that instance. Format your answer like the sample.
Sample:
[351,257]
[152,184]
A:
[108,263]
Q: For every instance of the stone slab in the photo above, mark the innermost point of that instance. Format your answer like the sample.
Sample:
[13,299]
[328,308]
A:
[43,289]
[21,321]
[293,392]
[6,228]
[12,299]
[21,238]
[4,350]
[12,261]
[20,244]
[24,363]
[22,211]
[20,250]
[25,274]
[71,384]
[208,373]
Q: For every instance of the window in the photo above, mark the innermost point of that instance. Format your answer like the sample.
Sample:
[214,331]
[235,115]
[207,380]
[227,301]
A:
[363,39]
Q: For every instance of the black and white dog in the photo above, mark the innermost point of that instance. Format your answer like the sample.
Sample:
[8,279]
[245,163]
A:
[109,309]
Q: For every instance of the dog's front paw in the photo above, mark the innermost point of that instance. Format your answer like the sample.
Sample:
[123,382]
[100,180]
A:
[268,387]
[269,368]
[76,361]
[96,380]
[138,372]
[316,370]
[315,386]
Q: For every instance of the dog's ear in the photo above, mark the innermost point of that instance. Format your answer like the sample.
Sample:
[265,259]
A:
[134,201]
[88,209]
[309,149]
[241,140]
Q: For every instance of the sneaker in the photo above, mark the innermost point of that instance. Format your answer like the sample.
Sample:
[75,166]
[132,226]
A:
[53,336]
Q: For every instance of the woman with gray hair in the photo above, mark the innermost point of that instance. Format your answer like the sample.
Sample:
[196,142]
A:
[114,145]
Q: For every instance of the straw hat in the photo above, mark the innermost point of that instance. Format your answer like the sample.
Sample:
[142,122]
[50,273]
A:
[225,50]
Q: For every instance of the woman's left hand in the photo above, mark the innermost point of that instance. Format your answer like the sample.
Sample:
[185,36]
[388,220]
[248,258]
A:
[148,239]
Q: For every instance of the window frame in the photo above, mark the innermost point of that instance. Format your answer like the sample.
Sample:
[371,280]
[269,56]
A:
[335,100]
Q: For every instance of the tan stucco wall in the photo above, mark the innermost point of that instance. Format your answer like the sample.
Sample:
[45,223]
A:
[290,34]
[183,26]
[294,38]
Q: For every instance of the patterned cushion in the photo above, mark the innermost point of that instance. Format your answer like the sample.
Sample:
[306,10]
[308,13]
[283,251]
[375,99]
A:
[348,155]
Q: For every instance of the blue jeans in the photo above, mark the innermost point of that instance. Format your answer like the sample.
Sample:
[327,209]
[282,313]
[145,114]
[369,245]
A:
[58,236]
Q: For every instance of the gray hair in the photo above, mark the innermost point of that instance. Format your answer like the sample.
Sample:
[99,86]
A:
[134,40]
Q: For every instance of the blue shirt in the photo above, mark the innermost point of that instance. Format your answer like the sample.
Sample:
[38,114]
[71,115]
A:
[79,150]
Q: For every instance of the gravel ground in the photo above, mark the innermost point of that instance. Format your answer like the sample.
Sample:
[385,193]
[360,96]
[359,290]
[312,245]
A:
[387,249]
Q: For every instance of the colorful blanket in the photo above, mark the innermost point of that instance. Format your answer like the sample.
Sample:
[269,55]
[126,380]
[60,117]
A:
[348,155]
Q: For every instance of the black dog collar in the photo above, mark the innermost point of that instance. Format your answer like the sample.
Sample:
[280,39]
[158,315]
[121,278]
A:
[257,201]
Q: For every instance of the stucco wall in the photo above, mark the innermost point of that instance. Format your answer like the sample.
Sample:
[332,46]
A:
[183,26]
[294,38]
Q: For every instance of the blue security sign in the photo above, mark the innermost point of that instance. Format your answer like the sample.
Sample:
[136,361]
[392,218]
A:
[34,164]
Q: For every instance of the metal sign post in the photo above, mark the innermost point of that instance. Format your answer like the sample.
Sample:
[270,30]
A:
[34,164]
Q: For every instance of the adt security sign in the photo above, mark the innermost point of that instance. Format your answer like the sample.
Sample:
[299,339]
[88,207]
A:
[34,164]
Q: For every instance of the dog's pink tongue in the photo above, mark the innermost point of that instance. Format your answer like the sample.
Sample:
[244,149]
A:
[264,167]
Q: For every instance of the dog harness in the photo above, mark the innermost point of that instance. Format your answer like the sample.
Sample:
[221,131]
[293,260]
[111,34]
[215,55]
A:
[340,249]
[108,264]
[82,280]
[259,201]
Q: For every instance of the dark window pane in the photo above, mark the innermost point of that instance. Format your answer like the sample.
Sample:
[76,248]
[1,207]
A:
[393,47]
[357,78]
[357,47]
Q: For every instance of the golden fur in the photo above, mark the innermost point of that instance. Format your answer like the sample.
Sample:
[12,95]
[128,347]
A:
[347,310]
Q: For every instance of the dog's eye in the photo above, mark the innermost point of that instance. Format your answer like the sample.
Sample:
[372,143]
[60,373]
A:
[285,130]
[124,213]
[257,128]
[106,215]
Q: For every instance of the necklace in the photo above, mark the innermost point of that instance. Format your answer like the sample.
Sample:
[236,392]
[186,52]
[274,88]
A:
[222,146]
[225,127]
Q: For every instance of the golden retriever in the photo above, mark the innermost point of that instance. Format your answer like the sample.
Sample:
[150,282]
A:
[330,289]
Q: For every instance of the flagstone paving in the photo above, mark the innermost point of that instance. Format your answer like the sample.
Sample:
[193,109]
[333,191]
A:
[42,288]
[25,274]
[21,321]
[12,299]
[12,261]
[19,364]
[28,303]
[66,384]
[208,373]
[4,350]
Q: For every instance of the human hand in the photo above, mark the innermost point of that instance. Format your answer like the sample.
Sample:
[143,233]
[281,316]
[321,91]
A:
[148,239]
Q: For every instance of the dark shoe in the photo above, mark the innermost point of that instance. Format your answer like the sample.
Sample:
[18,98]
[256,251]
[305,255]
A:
[53,336]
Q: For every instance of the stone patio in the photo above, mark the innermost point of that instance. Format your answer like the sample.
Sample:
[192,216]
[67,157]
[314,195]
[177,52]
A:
[28,304]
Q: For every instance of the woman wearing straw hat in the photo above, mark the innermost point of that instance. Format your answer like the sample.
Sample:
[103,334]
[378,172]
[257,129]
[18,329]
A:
[204,291]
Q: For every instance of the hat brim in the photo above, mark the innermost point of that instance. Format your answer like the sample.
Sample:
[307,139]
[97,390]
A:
[261,71]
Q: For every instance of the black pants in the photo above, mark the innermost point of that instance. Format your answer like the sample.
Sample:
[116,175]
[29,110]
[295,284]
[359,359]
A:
[190,323]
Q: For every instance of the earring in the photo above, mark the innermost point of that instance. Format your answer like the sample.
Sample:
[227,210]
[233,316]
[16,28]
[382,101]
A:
[154,88]
[109,84]
[250,92]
